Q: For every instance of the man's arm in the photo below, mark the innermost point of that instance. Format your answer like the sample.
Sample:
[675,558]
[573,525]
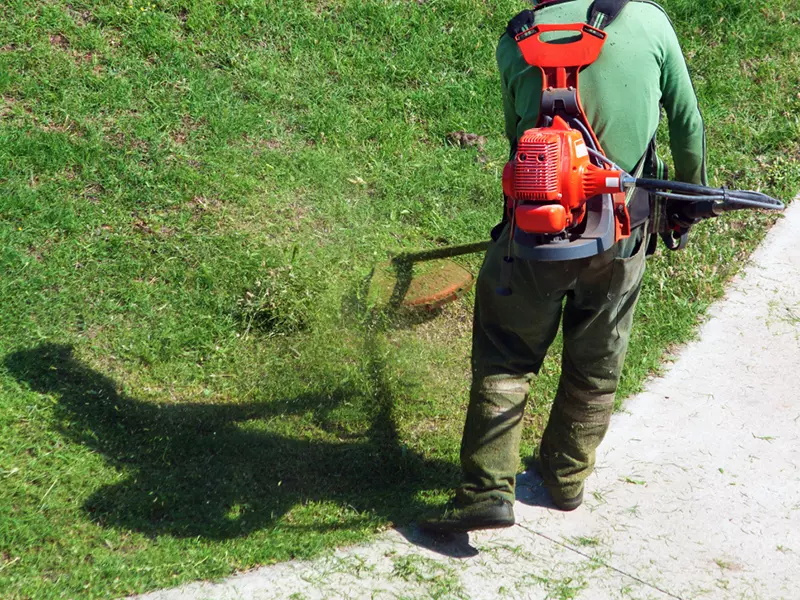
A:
[509,107]
[686,130]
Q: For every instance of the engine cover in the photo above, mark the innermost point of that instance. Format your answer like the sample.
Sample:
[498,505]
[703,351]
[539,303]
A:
[551,177]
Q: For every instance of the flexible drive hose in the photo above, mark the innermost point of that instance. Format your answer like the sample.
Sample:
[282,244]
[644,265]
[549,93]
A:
[728,202]
[730,199]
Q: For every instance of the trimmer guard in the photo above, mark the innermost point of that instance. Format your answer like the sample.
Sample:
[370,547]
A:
[599,236]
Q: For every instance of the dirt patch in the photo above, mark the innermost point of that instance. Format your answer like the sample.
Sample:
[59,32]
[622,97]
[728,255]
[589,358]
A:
[200,205]
[122,141]
[84,57]
[259,144]
[67,126]
[80,17]
[143,227]
[293,214]
[466,140]
[92,331]
[59,41]
[188,125]
[93,192]
[6,105]
[113,36]
[462,139]
[35,253]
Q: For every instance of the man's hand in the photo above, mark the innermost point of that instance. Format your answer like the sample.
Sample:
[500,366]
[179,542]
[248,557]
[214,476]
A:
[680,215]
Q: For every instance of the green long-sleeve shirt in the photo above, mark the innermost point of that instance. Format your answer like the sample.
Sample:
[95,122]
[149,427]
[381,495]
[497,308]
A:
[640,66]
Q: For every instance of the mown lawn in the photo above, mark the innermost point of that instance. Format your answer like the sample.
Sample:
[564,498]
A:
[191,195]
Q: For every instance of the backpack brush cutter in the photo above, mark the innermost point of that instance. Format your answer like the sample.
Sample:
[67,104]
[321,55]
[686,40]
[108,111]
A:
[565,199]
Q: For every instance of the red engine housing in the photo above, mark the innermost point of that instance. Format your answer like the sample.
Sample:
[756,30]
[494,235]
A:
[551,177]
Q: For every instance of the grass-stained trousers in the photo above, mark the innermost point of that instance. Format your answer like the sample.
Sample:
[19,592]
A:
[596,297]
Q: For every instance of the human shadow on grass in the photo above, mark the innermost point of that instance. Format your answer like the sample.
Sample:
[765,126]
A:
[220,471]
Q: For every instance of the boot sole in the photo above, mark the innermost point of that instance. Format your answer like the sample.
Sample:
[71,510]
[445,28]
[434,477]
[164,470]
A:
[443,528]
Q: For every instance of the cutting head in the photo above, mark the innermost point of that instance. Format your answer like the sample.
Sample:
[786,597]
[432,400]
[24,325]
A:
[420,286]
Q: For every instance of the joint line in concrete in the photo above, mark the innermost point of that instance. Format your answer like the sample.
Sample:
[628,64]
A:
[600,562]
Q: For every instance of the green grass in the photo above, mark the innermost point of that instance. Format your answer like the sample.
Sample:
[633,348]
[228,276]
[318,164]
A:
[191,195]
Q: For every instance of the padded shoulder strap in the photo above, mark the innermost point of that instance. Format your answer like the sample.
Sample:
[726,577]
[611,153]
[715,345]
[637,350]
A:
[603,12]
[526,18]
[520,23]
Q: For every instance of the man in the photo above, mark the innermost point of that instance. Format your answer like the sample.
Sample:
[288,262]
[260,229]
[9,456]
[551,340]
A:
[640,68]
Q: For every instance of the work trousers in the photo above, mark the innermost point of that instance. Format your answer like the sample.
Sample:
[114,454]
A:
[596,297]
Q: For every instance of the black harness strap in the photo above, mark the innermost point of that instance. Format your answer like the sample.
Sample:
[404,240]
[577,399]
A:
[603,12]
[526,18]
[520,23]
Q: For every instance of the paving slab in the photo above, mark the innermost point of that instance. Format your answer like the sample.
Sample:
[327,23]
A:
[696,494]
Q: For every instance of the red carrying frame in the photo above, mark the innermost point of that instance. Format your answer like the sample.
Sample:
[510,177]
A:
[561,62]
[576,53]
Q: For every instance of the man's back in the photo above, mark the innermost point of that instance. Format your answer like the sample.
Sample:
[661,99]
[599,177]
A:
[641,65]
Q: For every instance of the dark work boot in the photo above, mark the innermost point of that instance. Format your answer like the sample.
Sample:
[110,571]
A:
[489,514]
[564,503]
[561,501]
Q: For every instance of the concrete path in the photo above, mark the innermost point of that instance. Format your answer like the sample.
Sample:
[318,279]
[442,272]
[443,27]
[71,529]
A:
[697,494]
